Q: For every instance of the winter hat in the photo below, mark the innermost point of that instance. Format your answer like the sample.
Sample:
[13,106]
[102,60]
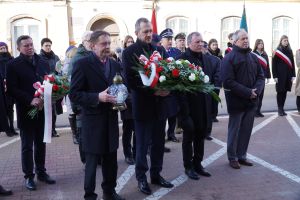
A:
[3,44]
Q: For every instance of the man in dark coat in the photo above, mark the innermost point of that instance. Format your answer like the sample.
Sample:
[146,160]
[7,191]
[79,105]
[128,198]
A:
[22,73]
[195,111]
[91,77]
[3,125]
[147,108]
[49,56]
[243,81]
[5,57]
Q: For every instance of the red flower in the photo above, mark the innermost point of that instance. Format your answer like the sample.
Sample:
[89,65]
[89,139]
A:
[55,88]
[175,73]
[147,72]
[159,69]
[191,66]
[49,78]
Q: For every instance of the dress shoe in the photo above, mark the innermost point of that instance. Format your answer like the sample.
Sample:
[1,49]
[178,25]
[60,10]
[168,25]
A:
[173,139]
[215,120]
[30,184]
[113,196]
[161,182]
[245,162]
[167,150]
[144,187]
[209,138]
[46,178]
[129,160]
[259,114]
[9,134]
[4,192]
[201,171]
[192,174]
[54,133]
[234,164]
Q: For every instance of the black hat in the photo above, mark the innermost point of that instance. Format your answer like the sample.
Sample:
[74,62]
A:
[155,38]
[167,33]
[180,36]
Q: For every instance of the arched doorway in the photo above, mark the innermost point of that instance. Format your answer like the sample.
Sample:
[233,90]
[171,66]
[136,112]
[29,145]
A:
[111,27]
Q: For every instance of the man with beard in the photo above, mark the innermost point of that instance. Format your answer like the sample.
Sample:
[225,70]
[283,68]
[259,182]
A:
[48,55]
[243,81]
[22,73]
[194,113]
[91,77]
[148,110]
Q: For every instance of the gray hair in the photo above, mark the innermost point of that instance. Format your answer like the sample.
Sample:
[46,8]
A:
[190,36]
[86,36]
[138,23]
[236,34]
[96,34]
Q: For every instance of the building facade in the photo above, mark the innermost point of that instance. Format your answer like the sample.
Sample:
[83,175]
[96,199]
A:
[64,21]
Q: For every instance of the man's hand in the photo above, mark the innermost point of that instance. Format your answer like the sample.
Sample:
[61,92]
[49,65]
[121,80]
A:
[253,94]
[162,93]
[37,102]
[104,97]
[276,80]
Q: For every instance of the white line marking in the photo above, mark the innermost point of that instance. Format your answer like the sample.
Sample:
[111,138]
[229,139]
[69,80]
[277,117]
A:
[294,125]
[124,178]
[183,178]
[9,142]
[263,124]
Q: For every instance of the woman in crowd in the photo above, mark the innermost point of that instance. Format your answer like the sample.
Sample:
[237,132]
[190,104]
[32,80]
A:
[283,70]
[5,57]
[126,116]
[259,51]
[214,49]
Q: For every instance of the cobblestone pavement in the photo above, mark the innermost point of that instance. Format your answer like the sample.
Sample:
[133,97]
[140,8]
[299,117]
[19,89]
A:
[274,149]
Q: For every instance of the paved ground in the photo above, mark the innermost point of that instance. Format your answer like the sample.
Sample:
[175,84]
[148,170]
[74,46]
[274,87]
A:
[274,148]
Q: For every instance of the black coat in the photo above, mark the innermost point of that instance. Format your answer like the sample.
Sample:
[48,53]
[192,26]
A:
[283,72]
[3,113]
[21,75]
[100,131]
[266,70]
[4,59]
[198,106]
[50,58]
[241,72]
[145,105]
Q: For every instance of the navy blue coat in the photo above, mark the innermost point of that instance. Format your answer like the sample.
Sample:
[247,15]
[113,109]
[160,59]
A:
[21,75]
[100,131]
[241,72]
[145,105]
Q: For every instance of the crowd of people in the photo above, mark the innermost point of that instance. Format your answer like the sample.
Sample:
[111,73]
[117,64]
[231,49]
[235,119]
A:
[91,67]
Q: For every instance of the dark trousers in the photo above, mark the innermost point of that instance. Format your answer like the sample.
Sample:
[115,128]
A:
[149,132]
[79,132]
[298,103]
[281,97]
[128,134]
[260,99]
[172,125]
[29,137]
[10,116]
[215,106]
[109,174]
[192,148]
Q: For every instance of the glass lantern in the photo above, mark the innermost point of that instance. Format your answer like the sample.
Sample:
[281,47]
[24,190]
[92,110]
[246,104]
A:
[119,90]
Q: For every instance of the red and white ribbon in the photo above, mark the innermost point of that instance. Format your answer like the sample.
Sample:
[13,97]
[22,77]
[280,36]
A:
[48,111]
[153,79]
[285,59]
[262,60]
[229,49]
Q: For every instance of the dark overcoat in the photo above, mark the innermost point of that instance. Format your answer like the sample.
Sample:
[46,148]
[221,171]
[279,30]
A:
[3,115]
[100,131]
[282,71]
[22,73]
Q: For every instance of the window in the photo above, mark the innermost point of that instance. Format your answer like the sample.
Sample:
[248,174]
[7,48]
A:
[178,24]
[26,26]
[280,26]
[229,25]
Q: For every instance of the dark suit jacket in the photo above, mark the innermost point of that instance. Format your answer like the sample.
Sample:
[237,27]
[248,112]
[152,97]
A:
[145,105]
[100,132]
[21,75]
[197,106]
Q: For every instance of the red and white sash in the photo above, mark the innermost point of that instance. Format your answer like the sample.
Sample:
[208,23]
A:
[229,49]
[261,60]
[283,57]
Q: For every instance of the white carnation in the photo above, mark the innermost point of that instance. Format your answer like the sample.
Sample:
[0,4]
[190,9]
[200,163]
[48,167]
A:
[188,62]
[170,59]
[192,77]
[206,79]
[202,73]
[178,62]
[162,78]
